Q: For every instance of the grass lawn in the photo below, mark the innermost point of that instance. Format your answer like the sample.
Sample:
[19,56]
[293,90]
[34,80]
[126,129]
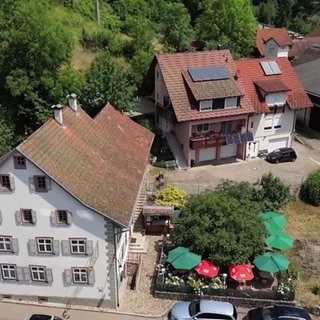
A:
[304,227]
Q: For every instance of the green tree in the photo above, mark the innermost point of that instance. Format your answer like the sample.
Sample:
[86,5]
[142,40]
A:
[216,226]
[284,13]
[33,47]
[107,81]
[310,189]
[171,196]
[177,33]
[6,135]
[267,12]
[229,23]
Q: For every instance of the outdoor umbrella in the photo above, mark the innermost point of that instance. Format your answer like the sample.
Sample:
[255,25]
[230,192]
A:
[182,258]
[241,272]
[207,268]
[271,227]
[274,218]
[271,262]
[279,240]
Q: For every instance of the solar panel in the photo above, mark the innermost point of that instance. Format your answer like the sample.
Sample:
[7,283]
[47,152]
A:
[236,138]
[249,136]
[243,137]
[274,67]
[266,68]
[229,139]
[208,73]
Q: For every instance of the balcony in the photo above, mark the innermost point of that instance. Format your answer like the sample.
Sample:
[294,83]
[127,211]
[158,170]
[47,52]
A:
[206,140]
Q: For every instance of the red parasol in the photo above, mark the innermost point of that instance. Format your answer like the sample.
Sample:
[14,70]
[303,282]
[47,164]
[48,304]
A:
[207,268]
[241,272]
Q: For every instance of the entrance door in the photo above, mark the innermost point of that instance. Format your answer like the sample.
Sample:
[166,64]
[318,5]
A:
[253,148]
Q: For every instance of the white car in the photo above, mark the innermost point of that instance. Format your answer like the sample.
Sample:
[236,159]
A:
[43,317]
[203,309]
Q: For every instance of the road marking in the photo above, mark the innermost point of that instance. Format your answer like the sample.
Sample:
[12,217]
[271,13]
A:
[315,161]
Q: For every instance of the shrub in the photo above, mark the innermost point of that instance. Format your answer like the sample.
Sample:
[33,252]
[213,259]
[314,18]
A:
[310,190]
[171,196]
[316,289]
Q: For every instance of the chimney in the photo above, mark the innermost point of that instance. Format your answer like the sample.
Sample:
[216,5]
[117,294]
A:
[57,108]
[72,99]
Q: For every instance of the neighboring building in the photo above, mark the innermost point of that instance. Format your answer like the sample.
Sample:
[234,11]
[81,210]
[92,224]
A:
[68,193]
[309,76]
[276,94]
[304,50]
[273,43]
[201,104]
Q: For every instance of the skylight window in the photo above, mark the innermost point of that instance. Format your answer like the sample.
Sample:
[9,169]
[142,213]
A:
[270,68]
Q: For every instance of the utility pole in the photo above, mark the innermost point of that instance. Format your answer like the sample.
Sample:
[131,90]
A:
[97,12]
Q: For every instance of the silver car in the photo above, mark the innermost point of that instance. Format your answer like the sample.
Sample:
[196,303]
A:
[203,309]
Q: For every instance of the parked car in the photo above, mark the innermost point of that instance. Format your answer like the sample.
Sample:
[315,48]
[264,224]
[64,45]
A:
[278,312]
[43,317]
[203,309]
[282,155]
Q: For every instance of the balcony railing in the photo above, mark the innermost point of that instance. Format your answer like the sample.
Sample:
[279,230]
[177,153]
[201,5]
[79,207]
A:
[207,140]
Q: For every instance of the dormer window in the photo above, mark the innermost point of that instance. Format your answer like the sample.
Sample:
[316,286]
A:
[218,104]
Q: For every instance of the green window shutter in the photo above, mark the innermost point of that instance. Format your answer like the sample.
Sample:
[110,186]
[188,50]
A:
[65,247]
[89,247]
[26,274]
[91,278]
[48,183]
[32,247]
[67,276]
[34,217]
[69,215]
[15,245]
[17,215]
[12,185]
[56,247]
[49,275]
[20,274]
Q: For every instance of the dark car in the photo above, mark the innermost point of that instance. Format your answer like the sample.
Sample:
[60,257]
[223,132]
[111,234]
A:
[282,155]
[43,317]
[278,312]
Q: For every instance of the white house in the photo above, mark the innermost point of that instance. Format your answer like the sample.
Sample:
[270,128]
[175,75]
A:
[68,193]
[276,94]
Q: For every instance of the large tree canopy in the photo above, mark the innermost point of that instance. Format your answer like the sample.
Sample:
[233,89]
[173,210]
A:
[217,226]
[229,23]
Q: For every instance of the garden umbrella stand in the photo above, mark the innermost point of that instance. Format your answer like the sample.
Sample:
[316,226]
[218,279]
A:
[271,262]
[182,258]
[207,268]
[279,240]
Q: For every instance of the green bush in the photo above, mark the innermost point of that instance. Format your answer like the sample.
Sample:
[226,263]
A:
[316,289]
[310,189]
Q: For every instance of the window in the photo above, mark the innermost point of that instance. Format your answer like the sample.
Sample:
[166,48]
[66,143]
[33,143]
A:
[78,246]
[19,162]
[205,105]
[268,119]
[218,104]
[38,273]
[6,182]
[80,275]
[5,244]
[226,127]
[40,183]
[27,216]
[231,103]
[9,271]
[203,127]
[44,245]
[157,74]
[62,217]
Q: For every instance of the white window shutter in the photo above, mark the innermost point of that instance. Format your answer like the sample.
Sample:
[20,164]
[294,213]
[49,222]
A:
[12,185]
[89,247]
[32,247]
[18,217]
[26,273]
[32,187]
[56,247]
[53,217]
[49,276]
[65,247]
[15,245]
[69,216]
[67,276]
[20,273]
[91,278]
[0,217]
[48,183]
[34,217]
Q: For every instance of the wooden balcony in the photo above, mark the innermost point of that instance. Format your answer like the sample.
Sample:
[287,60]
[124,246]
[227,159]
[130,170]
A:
[206,140]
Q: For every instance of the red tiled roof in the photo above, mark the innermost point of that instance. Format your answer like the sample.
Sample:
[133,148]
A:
[251,71]
[100,161]
[279,35]
[272,85]
[185,108]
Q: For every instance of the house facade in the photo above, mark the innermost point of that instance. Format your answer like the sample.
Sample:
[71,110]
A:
[199,99]
[68,193]
[273,42]
[276,95]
